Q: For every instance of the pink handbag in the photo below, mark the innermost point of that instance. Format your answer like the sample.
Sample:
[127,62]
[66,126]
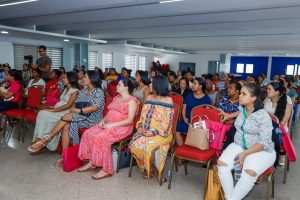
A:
[288,145]
[70,158]
[217,132]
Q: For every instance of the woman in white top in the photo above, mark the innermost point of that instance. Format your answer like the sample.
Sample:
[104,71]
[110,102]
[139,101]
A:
[36,80]
[47,119]
[278,103]
[141,91]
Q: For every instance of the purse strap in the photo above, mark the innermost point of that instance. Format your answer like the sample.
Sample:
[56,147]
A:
[243,134]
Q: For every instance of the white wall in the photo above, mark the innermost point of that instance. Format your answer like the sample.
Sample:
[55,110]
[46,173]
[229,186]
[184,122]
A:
[201,60]
[119,52]
[7,50]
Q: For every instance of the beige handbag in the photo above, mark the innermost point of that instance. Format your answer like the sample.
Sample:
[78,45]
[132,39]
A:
[197,137]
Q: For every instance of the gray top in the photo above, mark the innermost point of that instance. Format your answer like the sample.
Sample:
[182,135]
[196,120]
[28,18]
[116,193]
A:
[258,129]
[139,93]
[42,62]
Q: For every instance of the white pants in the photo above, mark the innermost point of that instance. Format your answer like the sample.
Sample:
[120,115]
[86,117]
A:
[257,162]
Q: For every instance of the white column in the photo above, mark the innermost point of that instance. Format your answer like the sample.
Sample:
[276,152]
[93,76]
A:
[269,68]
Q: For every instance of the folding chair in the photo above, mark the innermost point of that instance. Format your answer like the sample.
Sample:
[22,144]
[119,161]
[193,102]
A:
[193,154]
[173,129]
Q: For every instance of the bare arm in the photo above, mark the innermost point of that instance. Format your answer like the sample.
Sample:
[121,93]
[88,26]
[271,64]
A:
[46,68]
[146,92]
[287,114]
[69,104]
[6,95]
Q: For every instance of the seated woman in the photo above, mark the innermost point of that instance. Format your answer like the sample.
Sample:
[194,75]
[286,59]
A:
[253,147]
[35,80]
[210,90]
[85,113]
[230,104]
[52,88]
[142,90]
[153,137]
[196,98]
[95,145]
[10,97]
[47,119]
[183,89]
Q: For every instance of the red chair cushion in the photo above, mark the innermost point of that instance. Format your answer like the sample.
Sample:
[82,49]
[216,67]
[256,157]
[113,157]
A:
[268,171]
[194,153]
[30,115]
[18,113]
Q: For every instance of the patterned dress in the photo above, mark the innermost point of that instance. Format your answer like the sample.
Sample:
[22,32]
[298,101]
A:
[96,142]
[156,117]
[79,121]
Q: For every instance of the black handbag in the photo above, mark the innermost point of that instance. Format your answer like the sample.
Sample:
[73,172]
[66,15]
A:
[81,105]
[125,159]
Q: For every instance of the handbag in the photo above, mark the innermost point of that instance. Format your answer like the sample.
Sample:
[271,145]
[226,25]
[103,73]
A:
[70,158]
[80,105]
[52,97]
[214,189]
[217,132]
[288,145]
[197,137]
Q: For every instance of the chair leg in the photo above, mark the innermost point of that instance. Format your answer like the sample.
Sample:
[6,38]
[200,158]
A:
[130,166]
[119,157]
[273,186]
[288,165]
[176,164]
[171,173]
[185,168]
[268,188]
[160,177]
[285,169]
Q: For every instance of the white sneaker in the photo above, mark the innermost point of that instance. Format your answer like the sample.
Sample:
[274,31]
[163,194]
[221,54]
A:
[281,161]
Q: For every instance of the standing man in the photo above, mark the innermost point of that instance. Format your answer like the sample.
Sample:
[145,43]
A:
[44,63]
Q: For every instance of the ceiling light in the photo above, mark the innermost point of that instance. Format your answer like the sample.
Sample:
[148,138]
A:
[66,40]
[4,32]
[170,1]
[16,3]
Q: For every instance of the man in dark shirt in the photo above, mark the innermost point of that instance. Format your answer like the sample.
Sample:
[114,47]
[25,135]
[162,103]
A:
[44,63]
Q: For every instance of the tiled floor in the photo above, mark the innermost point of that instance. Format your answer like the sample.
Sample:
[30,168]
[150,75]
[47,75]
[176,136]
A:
[26,177]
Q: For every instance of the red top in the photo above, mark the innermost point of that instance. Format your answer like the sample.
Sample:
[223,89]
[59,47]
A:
[15,87]
[52,84]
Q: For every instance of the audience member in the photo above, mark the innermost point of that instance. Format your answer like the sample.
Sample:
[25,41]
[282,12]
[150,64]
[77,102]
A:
[183,88]
[142,90]
[210,89]
[152,141]
[47,118]
[189,76]
[252,149]
[26,74]
[96,142]
[36,80]
[112,75]
[172,80]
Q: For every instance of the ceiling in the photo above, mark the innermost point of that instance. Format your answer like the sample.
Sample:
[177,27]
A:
[196,25]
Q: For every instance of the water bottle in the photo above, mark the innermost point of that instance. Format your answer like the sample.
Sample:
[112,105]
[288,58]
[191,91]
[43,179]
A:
[115,159]
[237,169]
[167,175]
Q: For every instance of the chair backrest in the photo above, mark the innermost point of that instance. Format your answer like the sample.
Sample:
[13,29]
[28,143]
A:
[138,115]
[210,111]
[20,97]
[34,97]
[175,117]
[112,88]
[108,100]
[177,98]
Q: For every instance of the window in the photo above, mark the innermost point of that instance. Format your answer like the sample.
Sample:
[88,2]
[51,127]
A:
[93,59]
[156,59]
[130,63]
[249,68]
[56,56]
[292,69]
[24,50]
[107,60]
[142,63]
[240,68]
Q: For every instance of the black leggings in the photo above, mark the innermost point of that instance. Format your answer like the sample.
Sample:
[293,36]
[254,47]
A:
[7,105]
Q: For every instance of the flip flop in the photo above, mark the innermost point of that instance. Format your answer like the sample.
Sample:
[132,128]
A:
[102,176]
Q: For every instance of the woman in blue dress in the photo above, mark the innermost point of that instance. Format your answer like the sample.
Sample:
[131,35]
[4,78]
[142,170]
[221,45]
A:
[193,99]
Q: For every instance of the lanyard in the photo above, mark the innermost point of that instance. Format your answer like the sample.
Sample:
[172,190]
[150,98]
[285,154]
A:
[243,135]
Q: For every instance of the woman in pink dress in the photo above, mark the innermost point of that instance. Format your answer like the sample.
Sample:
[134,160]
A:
[95,146]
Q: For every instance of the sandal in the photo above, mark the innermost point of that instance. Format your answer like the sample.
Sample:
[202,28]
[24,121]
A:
[87,167]
[146,175]
[58,164]
[42,145]
[41,151]
[101,175]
